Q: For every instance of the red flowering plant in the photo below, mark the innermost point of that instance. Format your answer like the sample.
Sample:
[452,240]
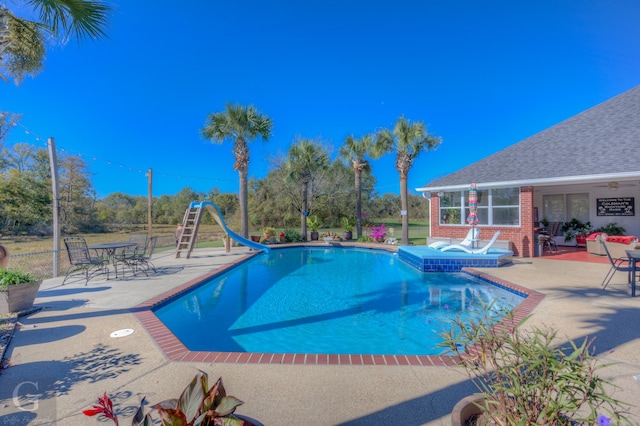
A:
[104,407]
[197,405]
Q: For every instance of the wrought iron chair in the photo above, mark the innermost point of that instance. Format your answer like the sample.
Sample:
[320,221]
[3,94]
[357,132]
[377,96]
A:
[81,260]
[143,261]
[128,255]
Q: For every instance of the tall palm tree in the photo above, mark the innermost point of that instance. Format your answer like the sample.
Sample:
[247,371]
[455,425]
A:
[409,140]
[22,41]
[240,124]
[305,159]
[355,150]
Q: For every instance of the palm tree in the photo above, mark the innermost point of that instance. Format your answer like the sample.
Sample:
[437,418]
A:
[22,41]
[409,140]
[355,150]
[305,159]
[240,124]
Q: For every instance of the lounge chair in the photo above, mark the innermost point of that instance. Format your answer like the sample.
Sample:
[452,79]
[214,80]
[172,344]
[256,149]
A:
[621,264]
[471,237]
[482,250]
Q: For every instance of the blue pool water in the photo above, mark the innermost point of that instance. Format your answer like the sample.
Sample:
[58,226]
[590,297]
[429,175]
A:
[326,300]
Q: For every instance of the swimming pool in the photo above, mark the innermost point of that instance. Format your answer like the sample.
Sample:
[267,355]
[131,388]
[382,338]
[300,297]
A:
[326,300]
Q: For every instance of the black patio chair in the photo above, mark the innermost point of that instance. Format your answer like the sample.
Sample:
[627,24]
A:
[616,265]
[82,261]
[128,255]
[143,261]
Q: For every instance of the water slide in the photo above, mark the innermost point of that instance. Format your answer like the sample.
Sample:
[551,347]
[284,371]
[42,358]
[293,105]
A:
[217,215]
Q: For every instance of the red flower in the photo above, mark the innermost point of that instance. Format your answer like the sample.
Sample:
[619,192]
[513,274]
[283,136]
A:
[282,234]
[104,407]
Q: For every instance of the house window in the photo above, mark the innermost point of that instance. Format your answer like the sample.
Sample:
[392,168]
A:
[450,208]
[562,208]
[500,206]
[578,207]
[505,206]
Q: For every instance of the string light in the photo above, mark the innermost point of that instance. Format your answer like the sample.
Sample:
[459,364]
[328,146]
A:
[120,165]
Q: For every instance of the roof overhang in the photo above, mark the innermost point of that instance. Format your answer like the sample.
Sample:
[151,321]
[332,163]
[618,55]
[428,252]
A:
[563,180]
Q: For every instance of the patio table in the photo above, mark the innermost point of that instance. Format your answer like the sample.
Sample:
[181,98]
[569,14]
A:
[109,250]
[634,256]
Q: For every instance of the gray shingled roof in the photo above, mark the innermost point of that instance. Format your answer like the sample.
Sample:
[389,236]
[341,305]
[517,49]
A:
[602,139]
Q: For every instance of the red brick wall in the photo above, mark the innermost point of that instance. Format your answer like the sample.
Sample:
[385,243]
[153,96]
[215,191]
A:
[522,237]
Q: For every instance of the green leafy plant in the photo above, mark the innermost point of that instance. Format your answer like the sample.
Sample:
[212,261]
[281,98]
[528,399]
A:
[365,239]
[575,227]
[13,277]
[612,229]
[197,405]
[292,236]
[313,223]
[525,379]
[347,223]
[269,231]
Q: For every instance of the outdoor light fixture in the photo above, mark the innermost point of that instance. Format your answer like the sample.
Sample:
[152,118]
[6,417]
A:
[440,194]
[613,186]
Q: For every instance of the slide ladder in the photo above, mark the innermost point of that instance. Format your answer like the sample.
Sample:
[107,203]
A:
[191,222]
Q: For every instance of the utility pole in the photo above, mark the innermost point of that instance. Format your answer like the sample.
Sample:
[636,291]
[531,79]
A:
[149,204]
[53,164]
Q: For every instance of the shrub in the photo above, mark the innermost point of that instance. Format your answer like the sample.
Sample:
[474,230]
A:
[292,236]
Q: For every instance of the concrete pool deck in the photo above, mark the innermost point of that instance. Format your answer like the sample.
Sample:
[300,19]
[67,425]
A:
[66,349]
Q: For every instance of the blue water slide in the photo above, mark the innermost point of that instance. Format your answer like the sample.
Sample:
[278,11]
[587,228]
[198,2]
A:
[217,215]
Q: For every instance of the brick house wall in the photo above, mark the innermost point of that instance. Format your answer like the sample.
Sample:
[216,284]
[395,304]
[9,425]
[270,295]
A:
[522,238]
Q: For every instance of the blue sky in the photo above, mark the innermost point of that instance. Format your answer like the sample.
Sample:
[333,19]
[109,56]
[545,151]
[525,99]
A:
[481,75]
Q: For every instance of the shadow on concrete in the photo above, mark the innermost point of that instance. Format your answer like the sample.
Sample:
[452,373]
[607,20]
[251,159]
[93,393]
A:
[46,380]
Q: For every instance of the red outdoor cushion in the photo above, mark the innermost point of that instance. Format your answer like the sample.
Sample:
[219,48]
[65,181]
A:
[594,236]
[622,239]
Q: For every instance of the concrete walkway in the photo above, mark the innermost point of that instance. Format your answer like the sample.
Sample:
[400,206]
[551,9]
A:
[64,353]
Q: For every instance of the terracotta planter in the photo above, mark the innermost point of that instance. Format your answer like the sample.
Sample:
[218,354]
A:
[465,409]
[18,297]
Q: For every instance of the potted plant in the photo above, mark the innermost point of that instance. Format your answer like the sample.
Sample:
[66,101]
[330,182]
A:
[378,233]
[268,233]
[313,224]
[523,375]
[576,229]
[196,405]
[347,224]
[612,229]
[18,290]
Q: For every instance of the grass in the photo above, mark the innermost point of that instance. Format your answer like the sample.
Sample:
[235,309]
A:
[418,232]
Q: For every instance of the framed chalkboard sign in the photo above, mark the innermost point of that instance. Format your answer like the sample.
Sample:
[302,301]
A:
[619,206]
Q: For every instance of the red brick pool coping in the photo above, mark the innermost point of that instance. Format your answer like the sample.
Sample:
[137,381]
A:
[176,351]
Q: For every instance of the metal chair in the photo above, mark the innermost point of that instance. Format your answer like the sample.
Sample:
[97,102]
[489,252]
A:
[128,255]
[81,260]
[144,259]
[616,265]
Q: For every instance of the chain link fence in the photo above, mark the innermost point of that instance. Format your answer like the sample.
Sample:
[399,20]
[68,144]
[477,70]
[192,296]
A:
[40,264]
